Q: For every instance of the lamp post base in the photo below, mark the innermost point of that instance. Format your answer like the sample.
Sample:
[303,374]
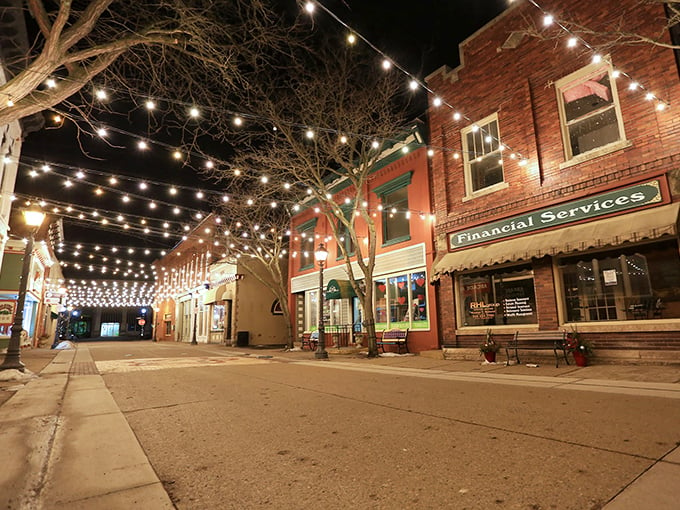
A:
[12,362]
[321,354]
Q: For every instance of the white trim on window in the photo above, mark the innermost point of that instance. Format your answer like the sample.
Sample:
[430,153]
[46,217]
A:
[485,149]
[576,78]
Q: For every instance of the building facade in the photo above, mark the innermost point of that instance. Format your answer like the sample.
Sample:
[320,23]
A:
[205,297]
[37,319]
[181,284]
[557,201]
[399,200]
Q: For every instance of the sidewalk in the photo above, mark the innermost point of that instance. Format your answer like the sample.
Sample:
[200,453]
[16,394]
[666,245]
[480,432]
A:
[631,373]
[71,447]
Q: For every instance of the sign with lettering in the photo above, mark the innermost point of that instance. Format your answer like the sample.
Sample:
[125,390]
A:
[7,312]
[619,200]
[517,307]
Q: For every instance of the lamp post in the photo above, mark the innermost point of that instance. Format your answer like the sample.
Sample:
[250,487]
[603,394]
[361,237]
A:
[34,219]
[321,254]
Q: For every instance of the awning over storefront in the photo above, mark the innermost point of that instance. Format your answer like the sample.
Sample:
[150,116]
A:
[647,224]
[339,289]
[214,294]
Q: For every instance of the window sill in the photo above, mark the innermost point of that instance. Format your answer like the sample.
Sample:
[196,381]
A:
[396,241]
[486,191]
[304,268]
[669,324]
[496,328]
[596,153]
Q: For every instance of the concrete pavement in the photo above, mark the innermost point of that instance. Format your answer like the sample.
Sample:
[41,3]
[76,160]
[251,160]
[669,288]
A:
[71,447]
[67,445]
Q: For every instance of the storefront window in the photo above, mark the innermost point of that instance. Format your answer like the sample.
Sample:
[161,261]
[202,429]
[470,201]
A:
[495,298]
[312,310]
[110,329]
[633,284]
[217,318]
[401,302]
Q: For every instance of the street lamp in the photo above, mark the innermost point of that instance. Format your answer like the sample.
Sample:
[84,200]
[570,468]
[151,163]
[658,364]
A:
[321,254]
[33,219]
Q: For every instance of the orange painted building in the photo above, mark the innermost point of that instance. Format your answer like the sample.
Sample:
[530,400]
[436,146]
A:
[399,200]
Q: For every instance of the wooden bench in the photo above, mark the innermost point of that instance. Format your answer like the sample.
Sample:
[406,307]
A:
[536,341]
[394,336]
[308,340]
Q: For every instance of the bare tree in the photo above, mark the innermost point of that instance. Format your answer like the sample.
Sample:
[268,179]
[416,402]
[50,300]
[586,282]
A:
[255,236]
[326,121]
[167,48]
[617,31]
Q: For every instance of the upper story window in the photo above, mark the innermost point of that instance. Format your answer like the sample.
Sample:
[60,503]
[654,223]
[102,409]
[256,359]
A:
[345,238]
[482,156]
[306,244]
[590,114]
[395,214]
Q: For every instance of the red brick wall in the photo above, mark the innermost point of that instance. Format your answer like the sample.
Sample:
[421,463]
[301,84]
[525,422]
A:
[518,85]
[545,294]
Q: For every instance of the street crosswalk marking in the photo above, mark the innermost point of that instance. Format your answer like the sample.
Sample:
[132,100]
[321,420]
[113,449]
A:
[139,364]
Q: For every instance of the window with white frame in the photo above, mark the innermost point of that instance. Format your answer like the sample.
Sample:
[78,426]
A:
[590,114]
[482,156]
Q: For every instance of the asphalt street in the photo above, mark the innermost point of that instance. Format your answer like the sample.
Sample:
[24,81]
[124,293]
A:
[228,431]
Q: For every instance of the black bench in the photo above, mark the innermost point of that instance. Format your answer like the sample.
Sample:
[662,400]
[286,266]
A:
[536,341]
[396,337]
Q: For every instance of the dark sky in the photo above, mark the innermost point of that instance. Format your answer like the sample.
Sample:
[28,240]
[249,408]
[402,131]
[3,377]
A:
[423,35]
[420,36]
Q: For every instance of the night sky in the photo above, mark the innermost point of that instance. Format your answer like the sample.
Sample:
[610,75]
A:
[420,36]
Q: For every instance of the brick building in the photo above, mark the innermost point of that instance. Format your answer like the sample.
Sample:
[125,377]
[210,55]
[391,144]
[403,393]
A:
[557,194]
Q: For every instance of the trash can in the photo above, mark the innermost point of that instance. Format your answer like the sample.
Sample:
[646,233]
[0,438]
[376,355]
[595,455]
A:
[242,338]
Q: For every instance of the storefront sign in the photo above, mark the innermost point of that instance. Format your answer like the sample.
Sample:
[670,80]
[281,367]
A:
[7,312]
[616,201]
[517,307]
[482,311]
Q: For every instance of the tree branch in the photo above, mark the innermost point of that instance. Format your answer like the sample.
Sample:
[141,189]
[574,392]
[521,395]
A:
[37,10]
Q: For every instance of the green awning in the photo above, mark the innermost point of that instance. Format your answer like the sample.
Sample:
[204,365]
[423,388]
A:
[339,289]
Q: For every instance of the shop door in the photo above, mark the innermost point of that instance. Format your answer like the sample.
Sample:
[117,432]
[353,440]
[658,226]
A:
[227,321]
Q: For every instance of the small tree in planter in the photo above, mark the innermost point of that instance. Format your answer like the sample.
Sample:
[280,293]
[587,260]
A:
[489,347]
[579,347]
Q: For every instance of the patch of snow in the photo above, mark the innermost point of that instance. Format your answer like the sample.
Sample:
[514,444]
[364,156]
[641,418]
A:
[66,344]
[393,354]
[16,375]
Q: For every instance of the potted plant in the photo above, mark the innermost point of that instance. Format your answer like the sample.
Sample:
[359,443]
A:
[489,347]
[579,347]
